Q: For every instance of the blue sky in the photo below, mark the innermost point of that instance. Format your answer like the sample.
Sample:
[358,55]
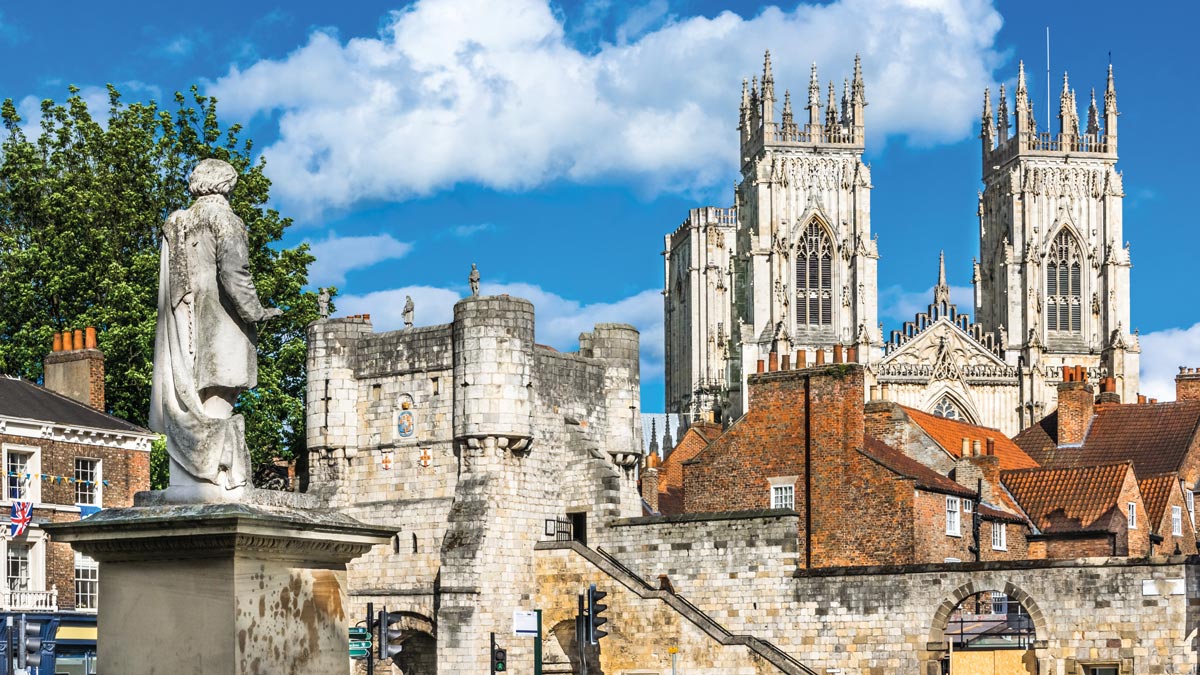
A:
[555,143]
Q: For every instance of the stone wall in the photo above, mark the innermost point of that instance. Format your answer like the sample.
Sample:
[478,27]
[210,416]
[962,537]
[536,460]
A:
[465,439]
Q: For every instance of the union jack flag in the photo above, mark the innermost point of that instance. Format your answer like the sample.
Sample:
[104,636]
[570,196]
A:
[22,515]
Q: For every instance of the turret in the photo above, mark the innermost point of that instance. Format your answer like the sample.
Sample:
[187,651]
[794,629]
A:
[1002,116]
[789,121]
[831,115]
[1093,123]
[1068,115]
[1110,114]
[941,292]
[987,128]
[1024,110]
[814,99]
[768,91]
[858,101]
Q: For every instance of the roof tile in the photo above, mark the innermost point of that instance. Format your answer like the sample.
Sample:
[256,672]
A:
[1072,499]
[949,433]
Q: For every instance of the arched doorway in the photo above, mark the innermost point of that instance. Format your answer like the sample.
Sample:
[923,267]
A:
[993,631]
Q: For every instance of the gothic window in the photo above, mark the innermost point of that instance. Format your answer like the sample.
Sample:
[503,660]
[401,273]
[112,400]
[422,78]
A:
[814,277]
[1063,292]
[946,408]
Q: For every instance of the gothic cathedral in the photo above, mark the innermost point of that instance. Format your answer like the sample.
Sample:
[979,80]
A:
[786,277]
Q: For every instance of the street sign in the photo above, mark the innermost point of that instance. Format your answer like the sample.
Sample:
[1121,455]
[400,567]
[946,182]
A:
[360,644]
[525,623]
[359,633]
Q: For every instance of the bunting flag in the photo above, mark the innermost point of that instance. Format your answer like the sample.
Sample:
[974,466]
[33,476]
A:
[57,480]
[22,515]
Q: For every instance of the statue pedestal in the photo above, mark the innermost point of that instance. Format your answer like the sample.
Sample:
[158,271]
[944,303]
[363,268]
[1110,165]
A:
[222,589]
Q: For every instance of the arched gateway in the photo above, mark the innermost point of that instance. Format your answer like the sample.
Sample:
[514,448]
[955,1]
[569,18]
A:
[982,630]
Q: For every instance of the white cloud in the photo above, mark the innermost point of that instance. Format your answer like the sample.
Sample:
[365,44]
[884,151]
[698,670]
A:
[335,256]
[898,305]
[1163,352]
[494,93]
[466,231]
[559,320]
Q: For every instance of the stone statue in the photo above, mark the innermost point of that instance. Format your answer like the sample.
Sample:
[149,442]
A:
[408,311]
[204,345]
[474,279]
[323,303]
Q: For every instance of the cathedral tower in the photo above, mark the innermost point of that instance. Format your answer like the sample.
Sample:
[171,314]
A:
[805,271]
[1053,276]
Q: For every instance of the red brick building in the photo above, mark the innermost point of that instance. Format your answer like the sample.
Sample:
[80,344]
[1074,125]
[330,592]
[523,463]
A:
[65,455]
[1159,441]
[803,445]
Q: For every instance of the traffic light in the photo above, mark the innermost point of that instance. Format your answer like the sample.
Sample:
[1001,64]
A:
[594,618]
[499,657]
[29,643]
[388,650]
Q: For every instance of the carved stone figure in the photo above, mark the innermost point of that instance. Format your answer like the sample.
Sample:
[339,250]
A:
[473,279]
[408,311]
[323,304]
[204,346]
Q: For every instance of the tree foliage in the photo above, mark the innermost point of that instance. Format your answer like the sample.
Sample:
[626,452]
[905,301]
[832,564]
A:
[82,203]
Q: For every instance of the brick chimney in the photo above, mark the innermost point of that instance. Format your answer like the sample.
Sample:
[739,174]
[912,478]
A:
[1187,384]
[75,367]
[650,481]
[1076,403]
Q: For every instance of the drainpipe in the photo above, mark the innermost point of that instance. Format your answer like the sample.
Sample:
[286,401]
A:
[807,473]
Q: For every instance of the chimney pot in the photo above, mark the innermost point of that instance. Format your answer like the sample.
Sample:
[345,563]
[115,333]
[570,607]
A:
[885,391]
[78,339]
[966,448]
[1141,398]
[976,446]
[785,362]
[820,357]
[991,447]
[56,345]
[67,342]
[801,358]
[837,353]
[89,337]
[773,361]
[762,365]
[874,392]
[852,354]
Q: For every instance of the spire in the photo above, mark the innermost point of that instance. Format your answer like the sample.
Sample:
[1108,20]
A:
[668,442]
[653,436]
[941,292]
[1110,95]
[1002,115]
[846,102]
[1023,110]
[860,92]
[768,89]
[1093,123]
[745,96]
[814,98]
[789,122]
[987,127]
[831,114]
[1067,114]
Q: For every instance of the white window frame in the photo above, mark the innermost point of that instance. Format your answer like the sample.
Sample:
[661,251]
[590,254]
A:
[1191,505]
[999,543]
[33,467]
[33,538]
[967,506]
[1131,514]
[781,486]
[1177,521]
[97,479]
[953,517]
[86,564]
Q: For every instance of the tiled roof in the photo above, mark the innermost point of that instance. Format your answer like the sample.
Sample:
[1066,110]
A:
[899,463]
[1074,499]
[1156,492]
[26,400]
[949,434]
[1154,436]
[670,474]
[1039,440]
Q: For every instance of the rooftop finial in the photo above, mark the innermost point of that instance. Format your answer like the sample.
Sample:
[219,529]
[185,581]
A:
[1110,95]
[745,95]
[941,292]
[653,436]
[831,112]
[846,101]
[860,92]
[1022,92]
[1093,123]
[1002,115]
[767,76]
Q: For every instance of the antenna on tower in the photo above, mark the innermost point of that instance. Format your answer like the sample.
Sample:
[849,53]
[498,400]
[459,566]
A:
[1048,78]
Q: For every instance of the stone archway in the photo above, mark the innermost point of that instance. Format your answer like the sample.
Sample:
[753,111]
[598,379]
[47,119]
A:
[938,646]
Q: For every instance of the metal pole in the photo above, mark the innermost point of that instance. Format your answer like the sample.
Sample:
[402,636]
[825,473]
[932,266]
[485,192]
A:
[371,631]
[492,654]
[537,646]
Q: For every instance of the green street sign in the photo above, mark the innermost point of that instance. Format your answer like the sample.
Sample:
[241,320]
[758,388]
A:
[360,653]
[360,644]
[359,633]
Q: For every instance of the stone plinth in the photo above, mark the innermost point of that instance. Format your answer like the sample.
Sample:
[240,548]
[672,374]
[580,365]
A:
[237,589]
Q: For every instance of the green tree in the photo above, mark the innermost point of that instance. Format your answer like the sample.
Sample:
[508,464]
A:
[81,208]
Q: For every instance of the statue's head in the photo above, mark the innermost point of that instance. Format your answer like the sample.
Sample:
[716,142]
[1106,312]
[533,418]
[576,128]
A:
[212,177]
